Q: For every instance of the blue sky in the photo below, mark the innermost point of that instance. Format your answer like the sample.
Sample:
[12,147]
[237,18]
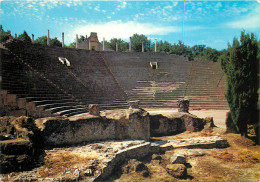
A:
[212,23]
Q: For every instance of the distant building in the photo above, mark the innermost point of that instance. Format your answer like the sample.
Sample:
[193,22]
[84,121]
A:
[92,43]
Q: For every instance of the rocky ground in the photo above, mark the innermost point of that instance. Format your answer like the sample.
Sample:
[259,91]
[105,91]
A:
[208,155]
[239,162]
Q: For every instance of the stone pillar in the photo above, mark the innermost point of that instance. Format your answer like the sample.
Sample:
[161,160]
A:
[48,38]
[93,109]
[15,36]
[142,46]
[130,45]
[103,43]
[155,46]
[183,105]
[134,104]
[77,41]
[89,44]
[32,38]
[62,39]
[116,47]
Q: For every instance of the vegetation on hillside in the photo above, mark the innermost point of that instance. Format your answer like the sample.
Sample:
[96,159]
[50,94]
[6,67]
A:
[4,35]
[240,64]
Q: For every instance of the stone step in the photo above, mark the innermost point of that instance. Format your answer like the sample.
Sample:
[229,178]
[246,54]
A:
[64,108]
[67,112]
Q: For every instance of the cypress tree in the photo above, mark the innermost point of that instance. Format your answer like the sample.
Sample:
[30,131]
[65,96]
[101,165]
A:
[240,64]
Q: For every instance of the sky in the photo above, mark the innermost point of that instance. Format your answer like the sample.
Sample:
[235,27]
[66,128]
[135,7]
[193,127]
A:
[207,22]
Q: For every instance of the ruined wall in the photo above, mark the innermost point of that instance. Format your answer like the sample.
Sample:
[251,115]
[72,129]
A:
[176,123]
[58,131]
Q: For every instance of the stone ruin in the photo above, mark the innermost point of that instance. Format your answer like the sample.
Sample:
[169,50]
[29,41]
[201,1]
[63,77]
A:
[113,137]
[85,100]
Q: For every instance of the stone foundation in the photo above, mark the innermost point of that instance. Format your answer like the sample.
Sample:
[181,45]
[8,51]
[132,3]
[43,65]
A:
[59,131]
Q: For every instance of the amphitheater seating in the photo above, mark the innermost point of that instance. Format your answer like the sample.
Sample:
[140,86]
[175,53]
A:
[175,78]
[110,79]
[21,80]
[98,86]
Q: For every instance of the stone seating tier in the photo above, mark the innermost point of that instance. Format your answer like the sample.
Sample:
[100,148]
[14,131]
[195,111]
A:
[197,80]
[19,79]
[111,78]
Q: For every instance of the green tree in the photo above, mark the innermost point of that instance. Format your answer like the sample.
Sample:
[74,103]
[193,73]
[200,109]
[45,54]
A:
[137,43]
[241,67]
[81,39]
[162,46]
[53,42]
[4,35]
[182,50]
[24,37]
[41,40]
[122,45]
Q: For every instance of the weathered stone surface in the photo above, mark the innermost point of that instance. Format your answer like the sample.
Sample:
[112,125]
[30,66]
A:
[193,123]
[196,153]
[183,105]
[178,159]
[200,142]
[209,124]
[125,124]
[16,155]
[21,146]
[175,123]
[94,109]
[177,170]
[156,157]
[134,104]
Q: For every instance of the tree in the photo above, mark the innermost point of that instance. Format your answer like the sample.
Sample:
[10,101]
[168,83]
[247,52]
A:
[4,35]
[53,42]
[122,45]
[24,37]
[137,43]
[41,40]
[162,46]
[240,64]
[182,50]
[81,39]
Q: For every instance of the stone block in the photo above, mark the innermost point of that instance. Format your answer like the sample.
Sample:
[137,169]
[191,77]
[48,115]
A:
[134,104]
[17,113]
[177,170]
[21,102]
[94,109]
[183,105]
[30,106]
[178,159]
[10,100]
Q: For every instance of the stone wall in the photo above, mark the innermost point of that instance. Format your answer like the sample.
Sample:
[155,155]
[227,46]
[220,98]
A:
[176,123]
[58,131]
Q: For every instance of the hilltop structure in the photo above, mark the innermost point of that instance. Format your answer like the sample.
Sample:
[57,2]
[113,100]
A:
[92,43]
